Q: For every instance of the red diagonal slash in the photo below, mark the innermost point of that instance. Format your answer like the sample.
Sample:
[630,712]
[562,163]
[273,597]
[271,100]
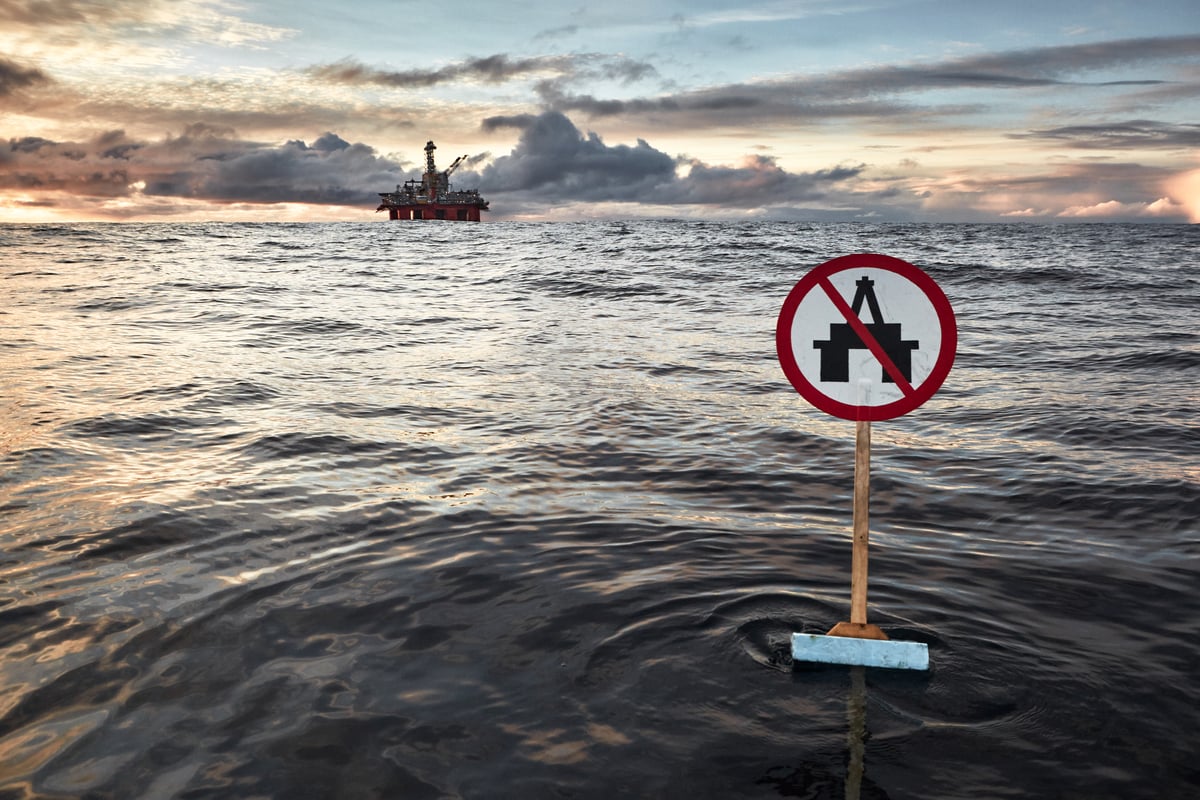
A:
[866,336]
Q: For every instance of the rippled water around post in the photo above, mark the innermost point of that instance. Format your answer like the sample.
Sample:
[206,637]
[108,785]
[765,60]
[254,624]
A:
[530,511]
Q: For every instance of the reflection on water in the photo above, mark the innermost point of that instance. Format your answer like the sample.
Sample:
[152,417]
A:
[856,716]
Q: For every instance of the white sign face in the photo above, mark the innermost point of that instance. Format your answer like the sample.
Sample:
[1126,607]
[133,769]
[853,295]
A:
[900,302]
[866,337]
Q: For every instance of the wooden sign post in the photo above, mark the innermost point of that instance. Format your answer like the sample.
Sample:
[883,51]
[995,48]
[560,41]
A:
[864,371]
[858,626]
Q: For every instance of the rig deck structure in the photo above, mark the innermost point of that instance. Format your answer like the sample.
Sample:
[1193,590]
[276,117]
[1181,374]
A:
[432,197]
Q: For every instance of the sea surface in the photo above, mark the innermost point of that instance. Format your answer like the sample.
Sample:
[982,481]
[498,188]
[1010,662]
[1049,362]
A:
[513,510]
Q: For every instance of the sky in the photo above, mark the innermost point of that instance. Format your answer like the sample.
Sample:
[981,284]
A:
[812,110]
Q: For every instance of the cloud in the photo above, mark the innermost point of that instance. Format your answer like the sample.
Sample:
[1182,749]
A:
[1140,134]
[1076,190]
[869,92]
[1115,209]
[14,77]
[45,13]
[492,69]
[556,168]
[554,161]
[518,121]
[127,22]
[272,112]
[875,91]
[1030,67]
[758,180]
[556,33]
[203,163]
[1126,182]
[1184,87]
[1015,69]
[740,104]
[1185,188]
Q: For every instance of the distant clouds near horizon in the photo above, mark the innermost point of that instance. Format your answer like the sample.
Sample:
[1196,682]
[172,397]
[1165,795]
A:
[211,111]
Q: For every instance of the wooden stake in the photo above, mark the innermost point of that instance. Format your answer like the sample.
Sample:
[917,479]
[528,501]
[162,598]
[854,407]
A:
[858,627]
[862,500]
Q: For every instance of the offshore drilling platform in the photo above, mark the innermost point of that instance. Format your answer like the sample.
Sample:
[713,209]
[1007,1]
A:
[433,197]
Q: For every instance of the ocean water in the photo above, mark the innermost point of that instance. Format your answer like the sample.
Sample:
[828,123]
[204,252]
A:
[511,510]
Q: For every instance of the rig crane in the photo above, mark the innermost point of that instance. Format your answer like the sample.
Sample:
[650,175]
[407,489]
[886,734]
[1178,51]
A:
[438,183]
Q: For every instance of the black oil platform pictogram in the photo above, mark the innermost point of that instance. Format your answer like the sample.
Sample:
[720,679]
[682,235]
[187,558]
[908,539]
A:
[835,351]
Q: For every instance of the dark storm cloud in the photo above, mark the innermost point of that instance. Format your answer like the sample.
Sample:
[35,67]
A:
[489,69]
[554,161]
[331,171]
[13,77]
[35,163]
[518,121]
[1139,134]
[204,162]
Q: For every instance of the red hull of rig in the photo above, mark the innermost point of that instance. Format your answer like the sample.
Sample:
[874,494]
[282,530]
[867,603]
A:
[432,197]
[433,211]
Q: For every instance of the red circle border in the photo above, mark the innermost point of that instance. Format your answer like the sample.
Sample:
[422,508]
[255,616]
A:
[941,368]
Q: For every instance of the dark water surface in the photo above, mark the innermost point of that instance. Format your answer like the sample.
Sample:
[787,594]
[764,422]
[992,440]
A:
[530,511]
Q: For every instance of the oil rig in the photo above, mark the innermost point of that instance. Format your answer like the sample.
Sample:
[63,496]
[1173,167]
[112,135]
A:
[432,197]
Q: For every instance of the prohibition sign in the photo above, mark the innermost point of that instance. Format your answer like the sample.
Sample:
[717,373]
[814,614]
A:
[860,370]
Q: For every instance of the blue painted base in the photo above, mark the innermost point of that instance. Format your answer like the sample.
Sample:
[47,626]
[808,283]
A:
[859,652]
